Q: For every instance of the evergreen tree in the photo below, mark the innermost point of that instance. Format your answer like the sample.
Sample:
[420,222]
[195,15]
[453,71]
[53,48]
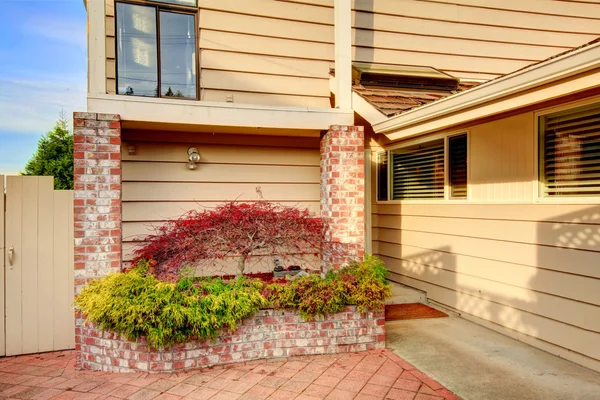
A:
[54,155]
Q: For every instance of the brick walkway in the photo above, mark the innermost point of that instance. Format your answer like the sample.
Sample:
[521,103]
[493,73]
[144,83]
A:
[377,374]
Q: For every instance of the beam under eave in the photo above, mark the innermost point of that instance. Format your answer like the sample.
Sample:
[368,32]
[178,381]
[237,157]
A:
[343,53]
[187,112]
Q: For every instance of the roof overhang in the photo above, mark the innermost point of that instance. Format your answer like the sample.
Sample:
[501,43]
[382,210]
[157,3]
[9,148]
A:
[233,116]
[360,105]
[570,73]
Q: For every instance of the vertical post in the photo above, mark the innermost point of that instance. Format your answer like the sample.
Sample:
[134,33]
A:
[97,199]
[343,53]
[343,194]
[96,27]
[2,266]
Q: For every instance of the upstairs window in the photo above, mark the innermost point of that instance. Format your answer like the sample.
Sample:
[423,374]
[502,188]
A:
[156,51]
[418,171]
[570,152]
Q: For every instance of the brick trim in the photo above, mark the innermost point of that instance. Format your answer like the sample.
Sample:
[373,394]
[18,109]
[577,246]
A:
[97,198]
[268,334]
[343,193]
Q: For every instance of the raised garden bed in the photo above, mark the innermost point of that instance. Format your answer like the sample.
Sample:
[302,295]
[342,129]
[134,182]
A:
[157,316]
[269,333]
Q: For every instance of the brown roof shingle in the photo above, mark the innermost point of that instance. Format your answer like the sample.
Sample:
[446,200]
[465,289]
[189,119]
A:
[393,101]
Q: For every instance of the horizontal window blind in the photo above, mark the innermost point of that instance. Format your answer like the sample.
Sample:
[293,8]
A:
[570,152]
[418,171]
[457,154]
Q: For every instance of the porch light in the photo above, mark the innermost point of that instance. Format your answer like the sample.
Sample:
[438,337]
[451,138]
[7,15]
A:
[193,157]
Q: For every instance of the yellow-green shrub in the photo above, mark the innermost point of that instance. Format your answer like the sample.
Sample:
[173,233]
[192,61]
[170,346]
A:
[135,303]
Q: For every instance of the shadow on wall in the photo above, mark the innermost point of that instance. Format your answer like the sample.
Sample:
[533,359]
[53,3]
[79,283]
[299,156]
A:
[365,19]
[542,281]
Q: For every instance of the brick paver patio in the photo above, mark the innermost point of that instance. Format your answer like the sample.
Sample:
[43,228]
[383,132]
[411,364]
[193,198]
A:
[377,374]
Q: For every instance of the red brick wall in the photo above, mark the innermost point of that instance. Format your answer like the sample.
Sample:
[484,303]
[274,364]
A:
[97,198]
[343,193]
[268,334]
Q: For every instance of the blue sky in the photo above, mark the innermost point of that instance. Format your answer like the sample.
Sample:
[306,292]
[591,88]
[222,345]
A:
[42,70]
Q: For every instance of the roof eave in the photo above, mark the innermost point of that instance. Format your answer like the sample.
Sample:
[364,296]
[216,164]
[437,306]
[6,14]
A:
[555,69]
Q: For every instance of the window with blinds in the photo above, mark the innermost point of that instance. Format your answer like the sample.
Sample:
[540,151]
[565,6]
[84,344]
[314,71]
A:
[570,152]
[457,155]
[382,176]
[418,171]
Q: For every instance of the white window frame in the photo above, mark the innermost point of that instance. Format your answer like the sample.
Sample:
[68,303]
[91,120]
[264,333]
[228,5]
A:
[538,193]
[424,139]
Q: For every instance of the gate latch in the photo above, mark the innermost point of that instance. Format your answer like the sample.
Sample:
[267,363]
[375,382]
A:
[11,252]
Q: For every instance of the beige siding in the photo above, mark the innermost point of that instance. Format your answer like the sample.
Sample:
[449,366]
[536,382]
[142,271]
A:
[502,156]
[464,40]
[503,257]
[278,52]
[157,185]
[539,278]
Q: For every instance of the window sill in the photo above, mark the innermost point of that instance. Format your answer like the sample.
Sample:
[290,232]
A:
[563,202]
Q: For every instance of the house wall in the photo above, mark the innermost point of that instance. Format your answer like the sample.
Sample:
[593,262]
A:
[260,52]
[468,39]
[502,258]
[158,186]
[278,52]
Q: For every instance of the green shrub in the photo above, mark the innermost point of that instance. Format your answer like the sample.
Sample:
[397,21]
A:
[135,303]
[362,284]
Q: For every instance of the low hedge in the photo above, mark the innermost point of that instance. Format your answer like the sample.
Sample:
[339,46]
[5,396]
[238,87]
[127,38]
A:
[135,303]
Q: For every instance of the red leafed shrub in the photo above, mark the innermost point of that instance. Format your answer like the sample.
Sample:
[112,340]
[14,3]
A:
[233,229]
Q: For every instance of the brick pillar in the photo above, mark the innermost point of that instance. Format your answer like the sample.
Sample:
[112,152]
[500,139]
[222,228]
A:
[343,194]
[97,199]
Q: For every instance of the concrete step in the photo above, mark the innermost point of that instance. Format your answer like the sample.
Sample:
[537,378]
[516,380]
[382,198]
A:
[402,294]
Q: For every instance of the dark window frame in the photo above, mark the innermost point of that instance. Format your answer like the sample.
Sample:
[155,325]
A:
[169,7]
[382,176]
[446,166]
[449,175]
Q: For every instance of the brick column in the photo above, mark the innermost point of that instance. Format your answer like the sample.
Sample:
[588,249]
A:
[97,199]
[343,194]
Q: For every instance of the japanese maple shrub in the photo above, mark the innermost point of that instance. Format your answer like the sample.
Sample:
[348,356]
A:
[233,229]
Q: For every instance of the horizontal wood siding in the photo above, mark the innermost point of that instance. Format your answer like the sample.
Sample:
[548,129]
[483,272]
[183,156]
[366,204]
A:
[157,185]
[470,39]
[541,276]
[278,52]
[502,256]
[502,159]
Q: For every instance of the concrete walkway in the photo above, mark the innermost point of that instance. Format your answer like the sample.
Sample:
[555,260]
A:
[377,374]
[479,364]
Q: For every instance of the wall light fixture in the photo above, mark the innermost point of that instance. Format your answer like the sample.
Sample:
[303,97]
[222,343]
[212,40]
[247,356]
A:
[193,157]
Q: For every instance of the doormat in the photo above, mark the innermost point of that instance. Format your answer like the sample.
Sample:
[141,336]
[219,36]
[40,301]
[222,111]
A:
[395,312]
